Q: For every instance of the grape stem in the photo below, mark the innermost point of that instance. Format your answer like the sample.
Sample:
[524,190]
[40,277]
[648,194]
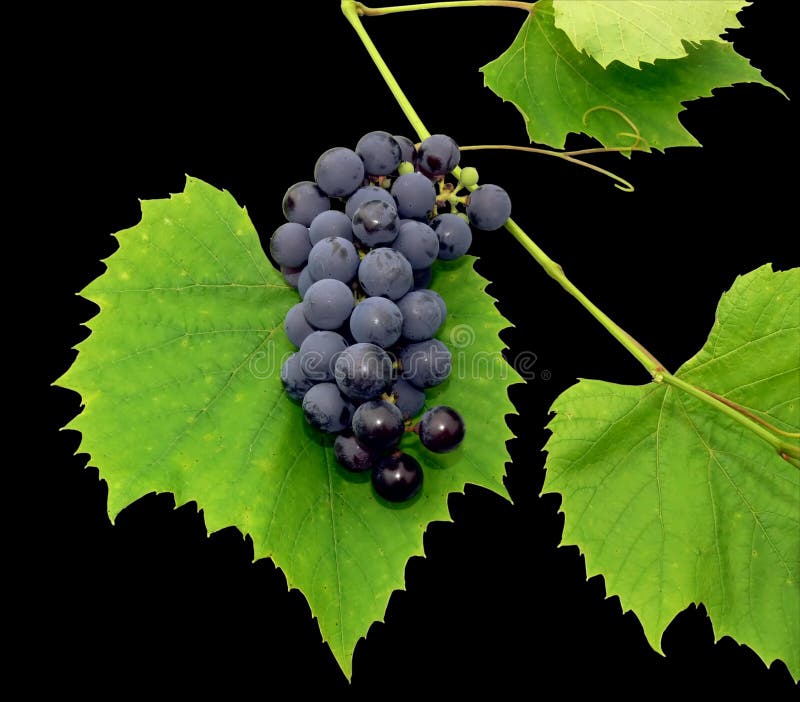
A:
[790,452]
[365,11]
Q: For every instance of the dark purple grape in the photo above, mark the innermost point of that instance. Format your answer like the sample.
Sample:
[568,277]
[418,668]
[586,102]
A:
[326,409]
[333,257]
[439,301]
[417,242]
[380,152]
[375,222]
[378,424]
[488,208]
[385,273]
[454,234]
[363,371]
[304,201]
[421,315]
[318,353]
[296,326]
[426,363]
[408,399]
[397,477]
[304,282]
[327,304]
[414,194]
[407,148]
[352,455]
[367,194]
[295,382]
[441,429]
[330,223]
[376,320]
[438,155]
[290,245]
[339,172]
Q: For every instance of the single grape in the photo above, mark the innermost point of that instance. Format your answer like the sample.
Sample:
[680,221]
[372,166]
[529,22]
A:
[489,207]
[327,304]
[439,301]
[363,371]
[385,272]
[375,222]
[291,275]
[367,194]
[408,399]
[303,201]
[380,152]
[438,154]
[378,425]
[469,176]
[290,245]
[326,409]
[441,429]
[422,315]
[296,326]
[294,380]
[414,194]
[339,172]
[333,257]
[318,354]
[376,320]
[422,278]
[330,223]
[397,477]
[352,455]
[418,243]
[304,282]
[408,151]
[426,363]
[405,167]
[454,235]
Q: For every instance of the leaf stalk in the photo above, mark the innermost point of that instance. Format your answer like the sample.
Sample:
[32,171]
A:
[783,448]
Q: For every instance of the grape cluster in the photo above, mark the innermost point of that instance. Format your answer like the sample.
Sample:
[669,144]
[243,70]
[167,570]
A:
[359,244]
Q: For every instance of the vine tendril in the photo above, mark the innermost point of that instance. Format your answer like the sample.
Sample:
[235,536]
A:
[572,156]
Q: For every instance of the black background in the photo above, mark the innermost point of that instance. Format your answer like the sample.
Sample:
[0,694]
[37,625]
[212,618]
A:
[247,102]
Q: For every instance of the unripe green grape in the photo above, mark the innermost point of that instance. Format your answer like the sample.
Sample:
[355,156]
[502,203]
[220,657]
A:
[469,176]
[406,167]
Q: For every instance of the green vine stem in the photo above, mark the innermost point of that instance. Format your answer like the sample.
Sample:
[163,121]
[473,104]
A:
[365,11]
[353,11]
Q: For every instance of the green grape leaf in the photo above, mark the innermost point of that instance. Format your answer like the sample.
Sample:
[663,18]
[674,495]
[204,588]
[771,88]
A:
[632,31]
[181,383]
[559,89]
[675,503]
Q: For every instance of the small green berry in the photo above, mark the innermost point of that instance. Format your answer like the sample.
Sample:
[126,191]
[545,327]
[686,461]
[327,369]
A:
[469,176]
[406,167]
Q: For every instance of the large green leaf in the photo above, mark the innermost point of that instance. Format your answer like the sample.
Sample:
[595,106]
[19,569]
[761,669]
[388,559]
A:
[631,31]
[180,380]
[673,502]
[555,86]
